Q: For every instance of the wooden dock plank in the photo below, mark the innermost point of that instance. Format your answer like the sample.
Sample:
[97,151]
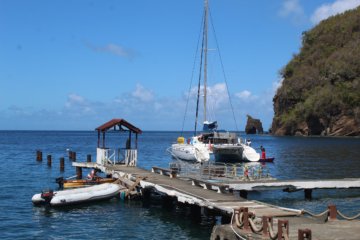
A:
[186,192]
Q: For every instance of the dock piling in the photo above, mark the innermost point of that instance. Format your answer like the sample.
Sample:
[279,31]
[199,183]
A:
[49,160]
[243,194]
[70,155]
[283,225]
[88,158]
[304,234]
[78,173]
[38,155]
[308,194]
[265,221]
[332,212]
[62,164]
[73,158]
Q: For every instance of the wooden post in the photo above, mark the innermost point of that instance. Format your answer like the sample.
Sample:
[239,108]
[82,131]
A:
[70,155]
[283,225]
[243,194]
[98,143]
[129,140]
[62,164]
[73,156]
[332,212]
[88,158]
[247,216]
[78,173]
[265,232]
[308,194]
[49,160]
[136,140]
[103,139]
[38,155]
[304,234]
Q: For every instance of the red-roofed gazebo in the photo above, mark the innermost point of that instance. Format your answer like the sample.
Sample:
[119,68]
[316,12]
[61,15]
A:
[104,155]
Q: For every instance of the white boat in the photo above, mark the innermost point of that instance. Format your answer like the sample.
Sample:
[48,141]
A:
[194,151]
[239,152]
[201,145]
[79,195]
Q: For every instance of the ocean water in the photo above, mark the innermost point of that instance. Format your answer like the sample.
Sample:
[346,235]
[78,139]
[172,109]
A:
[22,176]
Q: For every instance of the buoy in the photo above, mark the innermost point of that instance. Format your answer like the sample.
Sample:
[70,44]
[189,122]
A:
[181,140]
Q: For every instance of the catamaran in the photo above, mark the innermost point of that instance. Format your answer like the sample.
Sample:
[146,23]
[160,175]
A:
[225,145]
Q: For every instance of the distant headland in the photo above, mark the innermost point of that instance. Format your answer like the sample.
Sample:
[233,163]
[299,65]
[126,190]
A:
[320,92]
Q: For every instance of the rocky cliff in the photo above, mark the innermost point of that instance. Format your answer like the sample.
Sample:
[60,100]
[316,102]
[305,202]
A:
[320,92]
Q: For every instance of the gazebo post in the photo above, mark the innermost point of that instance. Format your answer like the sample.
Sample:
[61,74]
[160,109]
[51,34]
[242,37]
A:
[136,140]
[103,139]
[98,145]
[129,139]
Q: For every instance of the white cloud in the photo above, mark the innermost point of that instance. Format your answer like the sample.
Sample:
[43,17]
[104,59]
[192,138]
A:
[292,9]
[74,99]
[331,9]
[142,93]
[244,95]
[78,105]
[217,91]
[113,49]
[276,85]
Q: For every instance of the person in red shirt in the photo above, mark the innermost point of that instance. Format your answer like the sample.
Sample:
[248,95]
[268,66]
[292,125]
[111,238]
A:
[263,154]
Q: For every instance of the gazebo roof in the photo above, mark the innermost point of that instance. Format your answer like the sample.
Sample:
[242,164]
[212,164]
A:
[118,122]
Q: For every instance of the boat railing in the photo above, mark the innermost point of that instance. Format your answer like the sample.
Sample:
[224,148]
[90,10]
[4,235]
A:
[225,171]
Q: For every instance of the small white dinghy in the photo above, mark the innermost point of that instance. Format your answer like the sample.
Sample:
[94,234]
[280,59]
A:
[79,195]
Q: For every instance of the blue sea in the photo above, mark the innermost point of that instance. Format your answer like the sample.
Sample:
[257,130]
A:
[22,176]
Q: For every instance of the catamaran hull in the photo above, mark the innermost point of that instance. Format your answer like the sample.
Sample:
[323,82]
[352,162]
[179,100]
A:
[235,153]
[184,152]
[190,152]
[228,153]
[76,196]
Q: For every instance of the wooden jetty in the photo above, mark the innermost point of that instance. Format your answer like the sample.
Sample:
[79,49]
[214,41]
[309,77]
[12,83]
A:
[187,192]
[248,219]
[208,195]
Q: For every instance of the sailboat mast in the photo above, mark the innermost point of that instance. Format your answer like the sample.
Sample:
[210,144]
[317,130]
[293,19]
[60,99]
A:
[205,54]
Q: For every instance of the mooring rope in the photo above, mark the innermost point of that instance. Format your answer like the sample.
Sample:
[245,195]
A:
[238,220]
[348,218]
[255,228]
[273,235]
[231,225]
[313,214]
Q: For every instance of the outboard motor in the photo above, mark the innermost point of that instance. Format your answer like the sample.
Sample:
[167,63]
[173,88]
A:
[60,181]
[47,196]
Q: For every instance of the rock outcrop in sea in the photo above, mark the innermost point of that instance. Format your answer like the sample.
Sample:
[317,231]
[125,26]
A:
[253,126]
[320,92]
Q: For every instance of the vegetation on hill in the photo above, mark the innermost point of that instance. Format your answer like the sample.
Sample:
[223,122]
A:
[320,93]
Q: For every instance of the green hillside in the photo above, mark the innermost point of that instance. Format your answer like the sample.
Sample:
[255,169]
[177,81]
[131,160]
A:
[320,93]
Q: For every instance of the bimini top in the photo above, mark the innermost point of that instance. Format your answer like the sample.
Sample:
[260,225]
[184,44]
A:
[118,122]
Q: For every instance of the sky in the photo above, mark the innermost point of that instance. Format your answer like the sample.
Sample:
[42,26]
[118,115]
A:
[75,64]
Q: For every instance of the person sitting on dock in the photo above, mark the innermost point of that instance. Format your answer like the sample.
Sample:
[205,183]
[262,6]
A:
[263,154]
[92,175]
